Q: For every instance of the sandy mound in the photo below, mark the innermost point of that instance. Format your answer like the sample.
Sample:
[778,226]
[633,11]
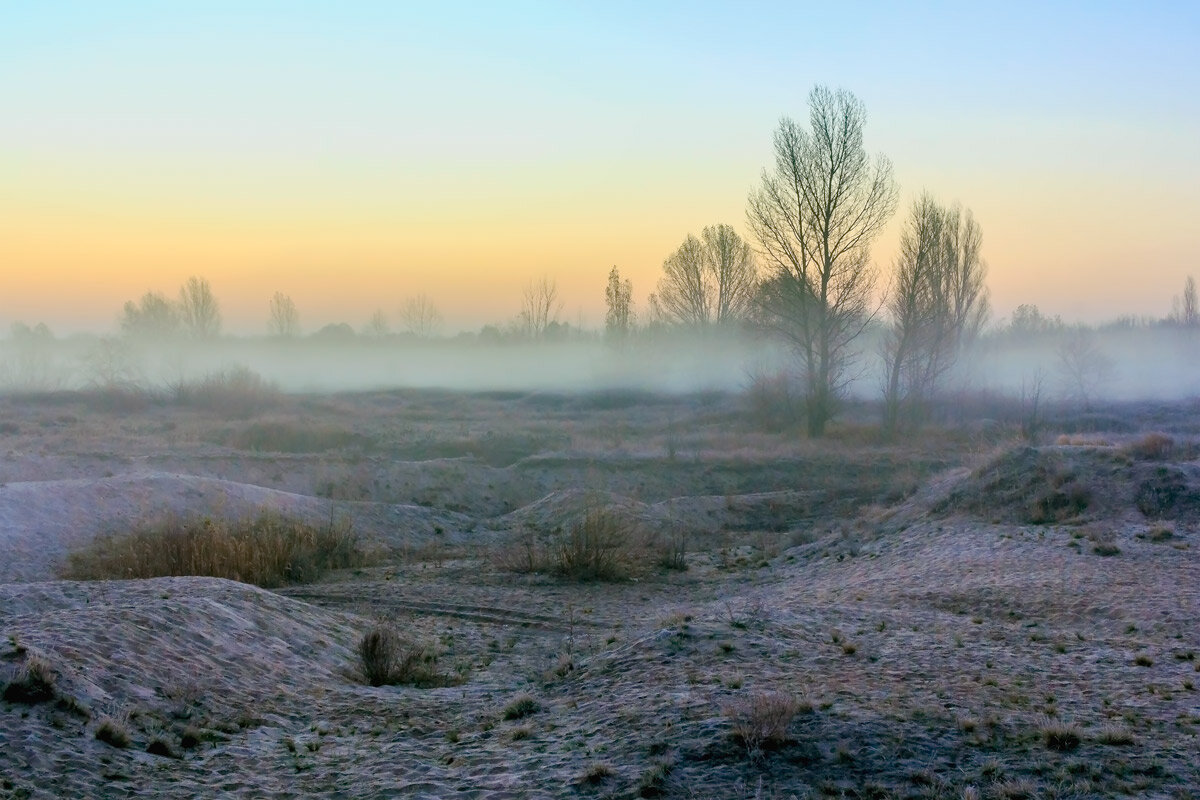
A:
[41,521]
[1064,483]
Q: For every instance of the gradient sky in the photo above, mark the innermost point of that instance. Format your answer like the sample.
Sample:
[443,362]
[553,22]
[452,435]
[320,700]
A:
[354,154]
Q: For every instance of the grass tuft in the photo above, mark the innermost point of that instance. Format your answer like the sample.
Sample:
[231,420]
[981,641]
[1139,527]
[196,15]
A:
[387,660]
[268,551]
[34,683]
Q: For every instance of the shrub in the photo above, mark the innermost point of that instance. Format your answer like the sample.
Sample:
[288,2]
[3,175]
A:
[113,732]
[33,683]
[234,392]
[521,706]
[760,721]
[1151,447]
[598,547]
[387,660]
[1060,736]
[773,402]
[268,551]
[286,437]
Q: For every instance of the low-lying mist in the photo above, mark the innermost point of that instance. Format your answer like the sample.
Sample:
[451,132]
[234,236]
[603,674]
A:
[1073,365]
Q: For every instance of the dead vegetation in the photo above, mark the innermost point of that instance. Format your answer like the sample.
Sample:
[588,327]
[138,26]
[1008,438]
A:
[267,550]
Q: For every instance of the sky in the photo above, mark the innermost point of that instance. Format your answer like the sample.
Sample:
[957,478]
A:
[354,154]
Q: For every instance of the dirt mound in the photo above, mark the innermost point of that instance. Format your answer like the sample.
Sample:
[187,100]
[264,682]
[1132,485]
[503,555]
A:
[1028,485]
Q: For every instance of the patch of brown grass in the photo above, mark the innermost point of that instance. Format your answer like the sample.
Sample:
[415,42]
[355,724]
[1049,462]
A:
[238,392]
[1152,446]
[268,551]
[34,683]
[761,720]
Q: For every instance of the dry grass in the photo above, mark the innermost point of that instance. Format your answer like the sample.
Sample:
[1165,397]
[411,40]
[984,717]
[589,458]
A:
[267,551]
[113,732]
[1152,446]
[600,546]
[237,392]
[761,720]
[289,437]
[386,660]
[34,683]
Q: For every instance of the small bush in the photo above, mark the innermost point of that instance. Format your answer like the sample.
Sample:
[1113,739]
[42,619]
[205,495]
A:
[597,772]
[521,706]
[34,683]
[287,437]
[1114,736]
[773,402]
[113,732]
[1151,447]
[598,548]
[672,552]
[760,721]
[1060,736]
[235,392]
[268,551]
[387,660]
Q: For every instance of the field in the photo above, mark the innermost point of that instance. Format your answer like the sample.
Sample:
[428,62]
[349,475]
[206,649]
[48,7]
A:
[611,594]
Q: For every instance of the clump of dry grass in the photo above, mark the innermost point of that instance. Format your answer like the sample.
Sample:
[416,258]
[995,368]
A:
[1152,446]
[1081,440]
[387,660]
[600,546]
[521,706]
[761,720]
[292,437]
[268,550]
[1058,735]
[235,392]
[113,732]
[33,683]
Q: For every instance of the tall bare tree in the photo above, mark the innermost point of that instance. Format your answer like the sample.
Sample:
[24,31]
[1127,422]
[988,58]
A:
[710,280]
[377,326]
[420,317]
[283,320]
[154,316]
[618,297]
[540,307]
[815,216]
[198,309]
[1186,312]
[938,304]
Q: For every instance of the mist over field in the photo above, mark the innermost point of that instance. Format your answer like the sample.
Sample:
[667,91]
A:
[1125,364]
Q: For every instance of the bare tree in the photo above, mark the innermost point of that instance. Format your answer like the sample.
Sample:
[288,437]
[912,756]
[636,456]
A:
[154,316]
[284,319]
[198,309]
[815,217]
[540,307]
[710,280]
[377,326]
[1186,312]
[937,305]
[1084,368]
[420,317]
[618,297]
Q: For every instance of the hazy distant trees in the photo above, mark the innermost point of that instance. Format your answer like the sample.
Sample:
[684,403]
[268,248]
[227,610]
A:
[199,310]
[1027,320]
[283,320]
[154,316]
[378,325]
[420,317]
[815,216]
[540,307]
[938,304]
[618,298]
[1186,312]
[710,280]
[1083,367]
